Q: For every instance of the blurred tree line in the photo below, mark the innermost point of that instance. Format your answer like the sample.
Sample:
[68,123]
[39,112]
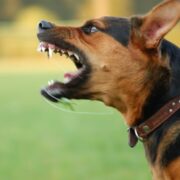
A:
[71,9]
[65,9]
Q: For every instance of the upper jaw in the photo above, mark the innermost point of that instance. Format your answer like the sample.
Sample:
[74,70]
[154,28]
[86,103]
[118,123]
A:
[68,52]
[73,82]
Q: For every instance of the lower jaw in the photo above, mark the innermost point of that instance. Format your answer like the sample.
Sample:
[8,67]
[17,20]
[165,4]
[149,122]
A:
[54,91]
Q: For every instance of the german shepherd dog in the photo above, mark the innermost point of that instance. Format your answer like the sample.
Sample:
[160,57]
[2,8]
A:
[127,64]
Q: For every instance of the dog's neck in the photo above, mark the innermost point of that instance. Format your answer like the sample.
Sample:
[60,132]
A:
[162,93]
[143,104]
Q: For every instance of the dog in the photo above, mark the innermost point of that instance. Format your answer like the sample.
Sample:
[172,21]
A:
[127,64]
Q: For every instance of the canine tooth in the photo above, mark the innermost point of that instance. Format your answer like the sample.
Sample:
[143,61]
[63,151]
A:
[50,82]
[66,80]
[43,49]
[70,53]
[50,52]
[41,44]
[76,56]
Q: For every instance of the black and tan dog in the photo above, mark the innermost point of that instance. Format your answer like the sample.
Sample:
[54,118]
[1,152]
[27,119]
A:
[126,63]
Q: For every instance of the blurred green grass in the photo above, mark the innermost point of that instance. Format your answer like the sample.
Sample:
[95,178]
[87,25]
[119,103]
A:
[40,142]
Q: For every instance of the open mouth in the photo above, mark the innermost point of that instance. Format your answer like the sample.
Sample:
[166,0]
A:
[72,80]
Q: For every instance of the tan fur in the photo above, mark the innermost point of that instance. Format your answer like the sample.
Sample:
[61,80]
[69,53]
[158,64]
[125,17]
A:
[172,172]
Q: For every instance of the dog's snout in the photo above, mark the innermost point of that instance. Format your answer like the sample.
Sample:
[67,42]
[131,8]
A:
[44,25]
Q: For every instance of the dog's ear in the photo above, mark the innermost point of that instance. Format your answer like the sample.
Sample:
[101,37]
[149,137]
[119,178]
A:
[147,31]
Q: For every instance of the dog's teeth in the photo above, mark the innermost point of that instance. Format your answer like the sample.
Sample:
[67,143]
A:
[50,52]
[50,82]
[62,51]
[66,80]
[76,56]
[43,49]
[70,53]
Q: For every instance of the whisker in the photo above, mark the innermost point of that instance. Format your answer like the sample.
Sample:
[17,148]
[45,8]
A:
[74,112]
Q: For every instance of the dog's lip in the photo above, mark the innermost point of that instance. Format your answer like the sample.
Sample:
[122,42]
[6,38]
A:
[72,80]
[54,91]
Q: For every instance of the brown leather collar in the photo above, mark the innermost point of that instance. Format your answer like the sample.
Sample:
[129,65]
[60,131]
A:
[142,131]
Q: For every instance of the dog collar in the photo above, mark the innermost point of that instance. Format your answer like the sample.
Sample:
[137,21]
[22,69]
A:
[142,131]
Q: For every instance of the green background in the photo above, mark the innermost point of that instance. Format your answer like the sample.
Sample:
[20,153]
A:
[40,142]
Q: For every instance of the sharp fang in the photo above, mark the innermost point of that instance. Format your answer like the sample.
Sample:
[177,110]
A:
[50,82]
[43,49]
[76,56]
[66,80]
[70,53]
[50,52]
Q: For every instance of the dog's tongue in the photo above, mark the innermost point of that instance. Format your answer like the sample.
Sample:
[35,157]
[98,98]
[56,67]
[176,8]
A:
[69,76]
[72,75]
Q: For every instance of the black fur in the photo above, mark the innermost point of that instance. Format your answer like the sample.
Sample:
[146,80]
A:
[118,28]
[160,95]
[172,152]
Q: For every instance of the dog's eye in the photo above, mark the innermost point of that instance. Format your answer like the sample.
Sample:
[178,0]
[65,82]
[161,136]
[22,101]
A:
[90,29]
[94,29]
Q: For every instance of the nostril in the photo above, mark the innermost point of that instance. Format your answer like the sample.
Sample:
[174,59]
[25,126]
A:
[40,25]
[45,25]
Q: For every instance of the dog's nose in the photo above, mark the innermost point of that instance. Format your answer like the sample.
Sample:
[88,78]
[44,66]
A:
[44,25]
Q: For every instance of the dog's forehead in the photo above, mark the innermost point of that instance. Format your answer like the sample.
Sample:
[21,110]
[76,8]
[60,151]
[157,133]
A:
[118,28]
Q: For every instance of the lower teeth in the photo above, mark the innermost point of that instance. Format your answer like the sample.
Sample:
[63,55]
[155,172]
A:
[67,80]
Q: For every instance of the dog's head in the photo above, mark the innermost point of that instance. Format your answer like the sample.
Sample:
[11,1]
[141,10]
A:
[116,58]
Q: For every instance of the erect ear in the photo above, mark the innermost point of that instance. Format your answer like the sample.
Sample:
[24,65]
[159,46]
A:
[147,31]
